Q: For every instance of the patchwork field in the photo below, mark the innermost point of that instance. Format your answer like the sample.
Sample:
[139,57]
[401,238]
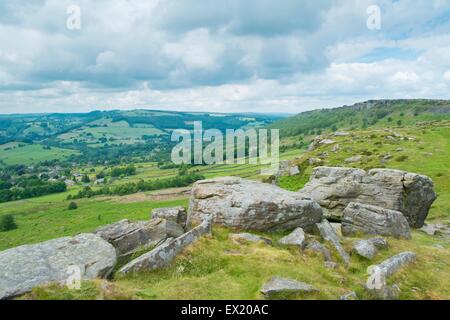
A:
[21,153]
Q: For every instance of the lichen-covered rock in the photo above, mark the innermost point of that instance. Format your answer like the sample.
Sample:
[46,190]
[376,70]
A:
[295,238]
[365,249]
[379,243]
[251,205]
[373,220]
[278,287]
[248,237]
[128,237]
[163,255]
[378,275]
[25,267]
[334,188]
[329,234]
[174,214]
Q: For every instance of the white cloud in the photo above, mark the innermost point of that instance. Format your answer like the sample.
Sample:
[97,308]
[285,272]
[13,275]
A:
[220,56]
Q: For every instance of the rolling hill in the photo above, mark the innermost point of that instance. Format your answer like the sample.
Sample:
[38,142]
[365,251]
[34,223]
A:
[373,113]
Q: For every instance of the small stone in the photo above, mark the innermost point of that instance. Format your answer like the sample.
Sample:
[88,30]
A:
[248,237]
[278,287]
[429,229]
[296,238]
[365,249]
[354,159]
[349,296]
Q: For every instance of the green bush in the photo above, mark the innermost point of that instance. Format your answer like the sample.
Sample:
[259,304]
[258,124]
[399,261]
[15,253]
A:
[72,206]
[7,223]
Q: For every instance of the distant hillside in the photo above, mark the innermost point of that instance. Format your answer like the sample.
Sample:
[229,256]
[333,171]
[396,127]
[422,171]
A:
[101,136]
[373,113]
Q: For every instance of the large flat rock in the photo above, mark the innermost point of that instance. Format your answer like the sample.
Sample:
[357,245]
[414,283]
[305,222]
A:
[334,188]
[251,205]
[28,266]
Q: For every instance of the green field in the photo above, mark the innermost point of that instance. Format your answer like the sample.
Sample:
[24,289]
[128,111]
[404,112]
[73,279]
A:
[26,154]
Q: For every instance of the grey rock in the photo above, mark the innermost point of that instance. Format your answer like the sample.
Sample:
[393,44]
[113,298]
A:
[365,249]
[316,246]
[248,237]
[367,219]
[281,287]
[379,243]
[128,237]
[378,275]
[436,229]
[251,205]
[349,296]
[334,188]
[328,234]
[327,141]
[340,134]
[25,267]
[429,229]
[354,159]
[318,141]
[396,262]
[287,168]
[315,161]
[295,238]
[163,255]
[174,214]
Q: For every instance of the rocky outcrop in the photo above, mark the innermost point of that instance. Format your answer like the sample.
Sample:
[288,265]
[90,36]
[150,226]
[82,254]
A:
[328,234]
[163,255]
[251,205]
[248,237]
[295,238]
[366,219]
[278,288]
[174,214]
[128,237]
[334,188]
[25,267]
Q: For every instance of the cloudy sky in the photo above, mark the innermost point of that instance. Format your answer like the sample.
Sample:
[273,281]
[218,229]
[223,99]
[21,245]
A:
[228,56]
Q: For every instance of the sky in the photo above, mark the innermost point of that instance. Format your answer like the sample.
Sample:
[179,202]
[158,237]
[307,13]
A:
[283,56]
